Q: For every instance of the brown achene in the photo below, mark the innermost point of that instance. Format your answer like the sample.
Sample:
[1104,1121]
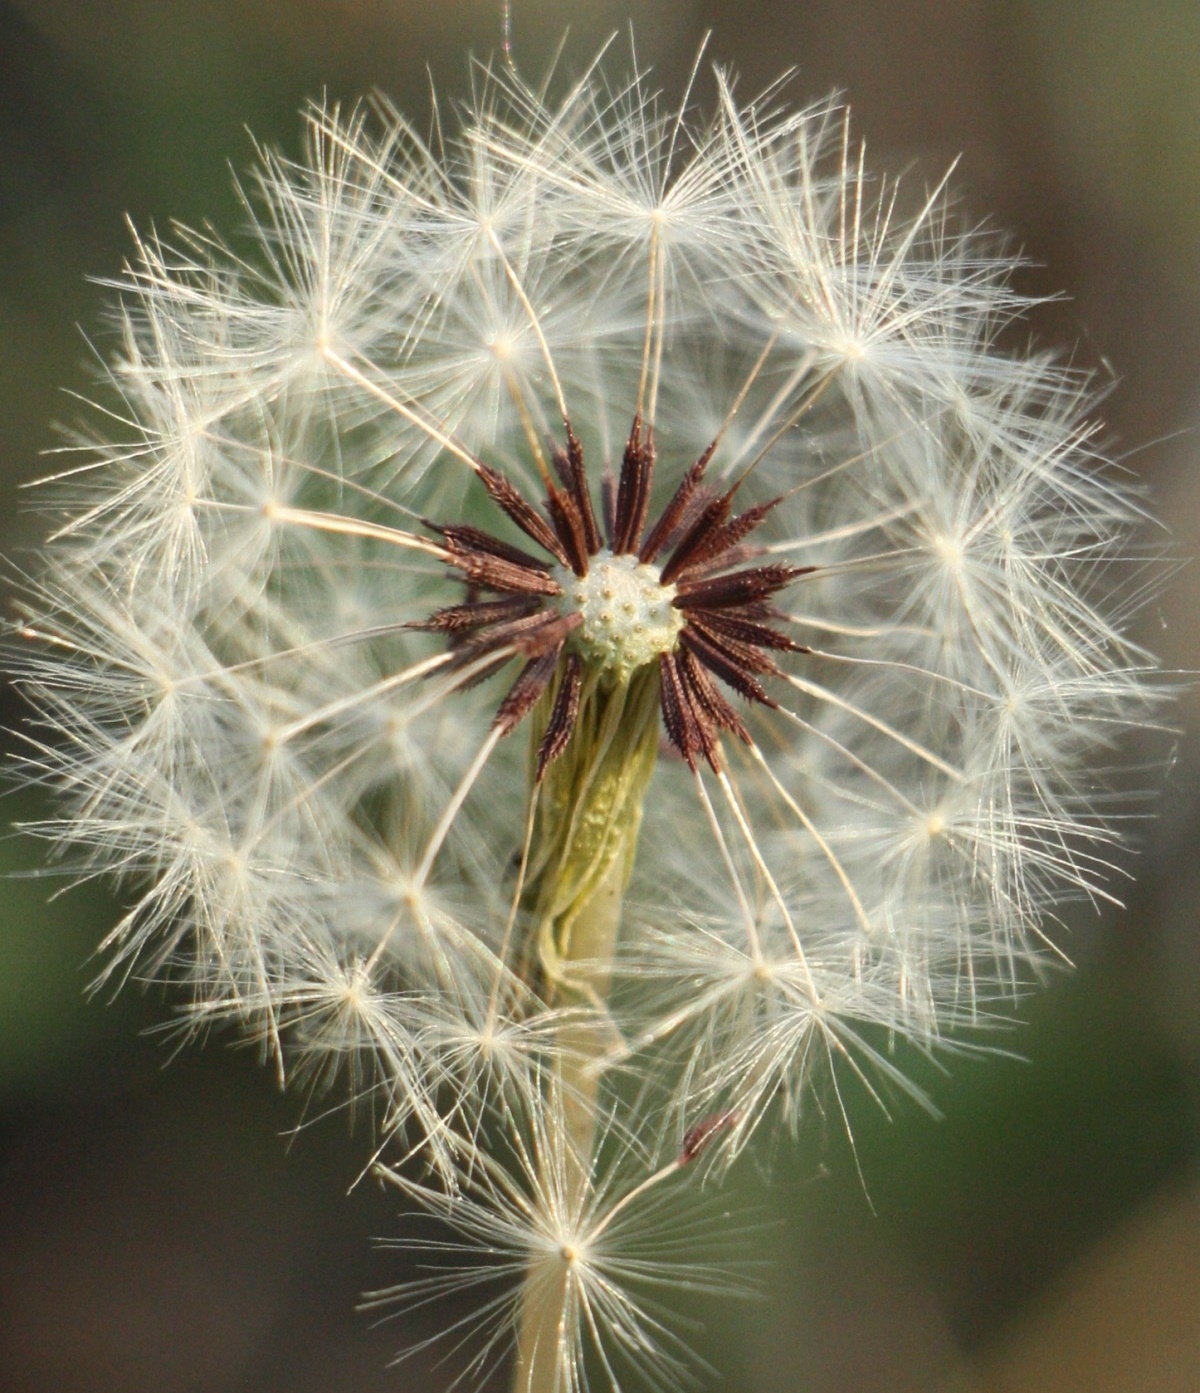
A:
[728,618]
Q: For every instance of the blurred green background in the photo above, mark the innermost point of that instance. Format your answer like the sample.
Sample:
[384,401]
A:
[157,1229]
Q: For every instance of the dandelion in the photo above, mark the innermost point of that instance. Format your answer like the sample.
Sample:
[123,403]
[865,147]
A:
[577,630]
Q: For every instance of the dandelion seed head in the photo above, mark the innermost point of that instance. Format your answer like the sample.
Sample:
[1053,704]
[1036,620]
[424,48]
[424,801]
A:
[609,503]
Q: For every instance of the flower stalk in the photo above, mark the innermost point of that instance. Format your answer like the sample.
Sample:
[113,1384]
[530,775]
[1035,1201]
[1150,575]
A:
[588,817]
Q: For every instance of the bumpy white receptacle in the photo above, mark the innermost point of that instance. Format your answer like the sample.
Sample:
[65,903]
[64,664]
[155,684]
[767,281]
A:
[628,617]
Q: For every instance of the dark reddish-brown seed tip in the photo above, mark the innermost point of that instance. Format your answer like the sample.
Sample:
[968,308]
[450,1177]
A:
[696,1138]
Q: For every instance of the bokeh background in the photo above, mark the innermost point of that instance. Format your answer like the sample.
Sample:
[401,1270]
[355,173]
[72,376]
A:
[160,1226]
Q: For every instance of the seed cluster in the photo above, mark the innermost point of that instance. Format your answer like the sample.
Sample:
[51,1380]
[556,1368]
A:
[613,609]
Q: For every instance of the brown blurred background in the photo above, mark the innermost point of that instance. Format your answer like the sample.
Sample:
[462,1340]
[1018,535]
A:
[158,1231]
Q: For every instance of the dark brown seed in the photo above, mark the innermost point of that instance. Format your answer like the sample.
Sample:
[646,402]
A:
[677,509]
[720,539]
[569,463]
[728,669]
[737,588]
[477,614]
[633,492]
[729,623]
[495,573]
[707,698]
[747,656]
[509,498]
[461,537]
[530,636]
[562,717]
[688,728]
[524,693]
[710,519]
[671,699]
[569,525]
[696,1138]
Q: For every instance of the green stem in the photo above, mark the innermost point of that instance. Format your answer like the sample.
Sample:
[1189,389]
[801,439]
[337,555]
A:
[545,1304]
[589,815]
